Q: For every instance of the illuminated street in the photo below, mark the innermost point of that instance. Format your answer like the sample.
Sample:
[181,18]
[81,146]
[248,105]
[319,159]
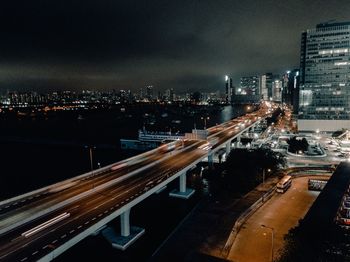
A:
[281,212]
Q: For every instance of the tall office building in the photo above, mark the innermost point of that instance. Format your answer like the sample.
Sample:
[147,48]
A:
[249,85]
[266,86]
[325,78]
[229,88]
[277,90]
[290,89]
[149,92]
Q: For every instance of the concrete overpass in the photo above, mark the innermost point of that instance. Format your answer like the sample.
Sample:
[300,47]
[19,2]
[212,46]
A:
[44,223]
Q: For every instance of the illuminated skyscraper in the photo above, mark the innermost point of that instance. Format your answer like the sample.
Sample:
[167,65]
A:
[277,90]
[229,88]
[250,85]
[149,92]
[290,89]
[266,86]
[325,78]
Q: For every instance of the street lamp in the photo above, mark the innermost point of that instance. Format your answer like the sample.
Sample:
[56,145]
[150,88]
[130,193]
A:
[91,161]
[272,236]
[268,170]
[205,121]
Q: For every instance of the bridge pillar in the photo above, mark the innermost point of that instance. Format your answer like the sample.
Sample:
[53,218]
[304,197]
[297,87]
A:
[228,148]
[210,160]
[238,141]
[183,192]
[125,223]
[127,236]
[183,183]
[253,128]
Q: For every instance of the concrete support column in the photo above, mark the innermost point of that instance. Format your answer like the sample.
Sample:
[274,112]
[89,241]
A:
[210,159]
[125,223]
[184,192]
[239,141]
[128,234]
[253,128]
[228,148]
[183,183]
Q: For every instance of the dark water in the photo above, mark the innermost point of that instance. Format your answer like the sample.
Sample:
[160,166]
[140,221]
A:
[37,150]
[42,149]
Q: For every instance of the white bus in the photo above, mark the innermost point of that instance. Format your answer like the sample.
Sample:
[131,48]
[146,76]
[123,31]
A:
[284,184]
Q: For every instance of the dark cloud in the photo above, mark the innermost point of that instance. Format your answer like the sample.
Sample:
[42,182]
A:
[183,44]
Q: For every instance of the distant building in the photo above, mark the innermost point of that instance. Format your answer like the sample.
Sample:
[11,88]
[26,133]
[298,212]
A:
[290,89]
[249,85]
[229,89]
[277,90]
[149,92]
[324,77]
[142,93]
[266,86]
[248,91]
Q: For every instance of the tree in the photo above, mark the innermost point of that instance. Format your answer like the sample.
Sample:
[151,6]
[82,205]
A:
[244,167]
[296,145]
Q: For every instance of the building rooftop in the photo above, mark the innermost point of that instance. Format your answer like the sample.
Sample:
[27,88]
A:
[331,24]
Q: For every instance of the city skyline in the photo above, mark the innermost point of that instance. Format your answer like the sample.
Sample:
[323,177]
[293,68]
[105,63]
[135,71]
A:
[182,45]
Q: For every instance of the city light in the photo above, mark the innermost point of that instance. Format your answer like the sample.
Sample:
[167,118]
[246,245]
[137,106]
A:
[108,110]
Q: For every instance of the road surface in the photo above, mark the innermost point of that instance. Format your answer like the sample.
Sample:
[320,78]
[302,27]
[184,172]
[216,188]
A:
[282,212]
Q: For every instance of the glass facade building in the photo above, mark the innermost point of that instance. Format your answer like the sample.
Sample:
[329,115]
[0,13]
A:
[325,77]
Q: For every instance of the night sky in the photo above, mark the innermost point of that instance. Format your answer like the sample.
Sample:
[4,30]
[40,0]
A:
[184,44]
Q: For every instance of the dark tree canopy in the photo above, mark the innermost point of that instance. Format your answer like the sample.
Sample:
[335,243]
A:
[244,167]
[296,145]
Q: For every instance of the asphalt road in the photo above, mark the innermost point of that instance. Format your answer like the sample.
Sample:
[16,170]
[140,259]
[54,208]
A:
[84,212]
[14,212]
[281,212]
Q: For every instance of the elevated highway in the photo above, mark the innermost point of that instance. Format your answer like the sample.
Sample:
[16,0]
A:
[42,224]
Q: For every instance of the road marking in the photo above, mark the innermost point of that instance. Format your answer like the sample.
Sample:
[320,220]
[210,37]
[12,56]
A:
[45,246]
[70,232]
[63,236]
[99,215]
[53,242]
[36,252]
[79,226]
[24,259]
[93,219]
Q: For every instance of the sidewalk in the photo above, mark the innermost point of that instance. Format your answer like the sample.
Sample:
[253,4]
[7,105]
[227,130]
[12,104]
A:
[204,234]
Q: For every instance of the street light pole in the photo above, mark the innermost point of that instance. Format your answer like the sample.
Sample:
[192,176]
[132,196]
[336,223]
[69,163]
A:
[263,176]
[91,158]
[91,162]
[205,121]
[272,238]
